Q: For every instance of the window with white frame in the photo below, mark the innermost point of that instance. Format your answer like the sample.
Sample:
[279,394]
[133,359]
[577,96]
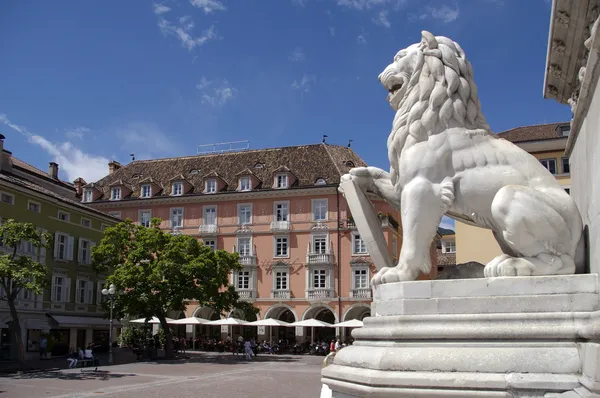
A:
[281,246]
[63,216]
[244,214]
[7,198]
[360,278]
[84,255]
[100,298]
[449,246]
[60,288]
[211,185]
[281,280]
[34,206]
[145,218]
[86,222]
[319,244]
[85,291]
[146,191]
[115,193]
[210,243]
[210,215]
[319,209]
[176,218]
[88,195]
[319,278]
[566,167]
[245,184]
[243,280]
[177,188]
[549,164]
[63,246]
[281,181]
[358,245]
[282,211]
[244,246]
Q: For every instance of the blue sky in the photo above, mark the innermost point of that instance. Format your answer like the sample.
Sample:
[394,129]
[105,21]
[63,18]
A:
[85,82]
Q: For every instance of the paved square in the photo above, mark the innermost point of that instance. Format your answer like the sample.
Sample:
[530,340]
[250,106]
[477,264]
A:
[203,375]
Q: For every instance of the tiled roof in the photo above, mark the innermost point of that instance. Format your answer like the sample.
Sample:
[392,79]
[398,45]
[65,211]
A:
[307,163]
[444,259]
[16,162]
[21,182]
[445,231]
[534,133]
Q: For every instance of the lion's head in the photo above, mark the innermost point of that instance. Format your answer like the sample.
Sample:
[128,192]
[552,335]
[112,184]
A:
[432,89]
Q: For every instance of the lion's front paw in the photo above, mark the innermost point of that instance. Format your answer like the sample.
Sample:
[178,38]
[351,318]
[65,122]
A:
[392,274]
[505,265]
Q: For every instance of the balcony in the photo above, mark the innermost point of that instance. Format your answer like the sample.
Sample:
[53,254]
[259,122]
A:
[361,293]
[248,260]
[246,294]
[280,226]
[319,294]
[208,229]
[281,294]
[319,258]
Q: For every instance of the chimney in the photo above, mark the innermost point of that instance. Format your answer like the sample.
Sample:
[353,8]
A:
[53,170]
[113,166]
[79,183]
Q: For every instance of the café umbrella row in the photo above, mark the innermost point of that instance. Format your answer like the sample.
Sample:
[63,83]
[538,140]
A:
[270,322]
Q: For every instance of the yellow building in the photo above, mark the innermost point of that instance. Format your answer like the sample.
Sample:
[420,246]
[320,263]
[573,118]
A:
[547,142]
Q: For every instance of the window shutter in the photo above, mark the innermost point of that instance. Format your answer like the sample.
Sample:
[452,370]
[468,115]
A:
[80,258]
[56,237]
[90,292]
[92,244]
[53,294]
[67,290]
[70,242]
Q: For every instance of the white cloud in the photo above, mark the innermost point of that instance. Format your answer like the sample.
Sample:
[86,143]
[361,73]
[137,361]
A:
[443,13]
[299,3]
[361,4]
[382,19]
[145,140]
[160,8]
[305,84]
[218,95]
[77,132]
[72,160]
[361,39]
[297,55]
[447,223]
[332,31]
[208,6]
[182,30]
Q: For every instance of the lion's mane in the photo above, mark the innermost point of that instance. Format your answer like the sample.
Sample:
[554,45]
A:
[441,94]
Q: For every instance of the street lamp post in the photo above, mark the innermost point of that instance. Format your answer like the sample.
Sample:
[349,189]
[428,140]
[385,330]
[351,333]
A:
[110,295]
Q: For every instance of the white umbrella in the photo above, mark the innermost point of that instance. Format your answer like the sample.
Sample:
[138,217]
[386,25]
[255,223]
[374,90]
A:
[311,323]
[270,322]
[228,322]
[353,323]
[193,320]
[154,320]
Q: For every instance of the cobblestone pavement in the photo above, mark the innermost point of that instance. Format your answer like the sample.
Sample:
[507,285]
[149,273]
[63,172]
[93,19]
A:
[202,375]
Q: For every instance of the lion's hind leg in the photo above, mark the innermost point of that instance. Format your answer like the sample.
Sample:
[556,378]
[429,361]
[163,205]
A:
[533,233]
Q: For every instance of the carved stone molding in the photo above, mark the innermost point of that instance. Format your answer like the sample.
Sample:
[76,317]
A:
[556,70]
[319,226]
[559,46]
[244,230]
[563,18]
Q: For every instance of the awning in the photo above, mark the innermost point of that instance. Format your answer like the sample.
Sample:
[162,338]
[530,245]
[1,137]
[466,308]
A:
[82,321]
[36,323]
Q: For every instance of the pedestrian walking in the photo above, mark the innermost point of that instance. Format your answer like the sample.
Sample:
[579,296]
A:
[43,346]
[248,349]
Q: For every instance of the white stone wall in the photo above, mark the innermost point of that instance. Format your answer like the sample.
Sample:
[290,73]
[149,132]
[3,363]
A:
[585,176]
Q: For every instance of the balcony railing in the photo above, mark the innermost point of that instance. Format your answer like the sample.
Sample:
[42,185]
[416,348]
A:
[317,294]
[208,229]
[319,258]
[281,294]
[361,293]
[280,226]
[248,260]
[246,294]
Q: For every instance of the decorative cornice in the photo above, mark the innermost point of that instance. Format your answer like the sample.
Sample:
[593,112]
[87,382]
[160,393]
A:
[244,230]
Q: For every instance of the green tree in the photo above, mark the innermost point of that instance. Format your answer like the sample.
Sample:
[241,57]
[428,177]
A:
[19,271]
[157,272]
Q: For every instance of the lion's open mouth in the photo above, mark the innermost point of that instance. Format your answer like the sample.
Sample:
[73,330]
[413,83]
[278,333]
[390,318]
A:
[395,88]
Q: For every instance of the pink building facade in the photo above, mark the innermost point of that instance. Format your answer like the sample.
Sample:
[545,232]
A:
[279,209]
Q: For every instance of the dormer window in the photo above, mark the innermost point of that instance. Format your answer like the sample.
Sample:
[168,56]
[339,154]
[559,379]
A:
[211,185]
[245,184]
[281,181]
[146,191]
[177,189]
[115,193]
[321,181]
[88,195]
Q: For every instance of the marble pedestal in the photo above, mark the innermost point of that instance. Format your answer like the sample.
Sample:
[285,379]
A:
[497,337]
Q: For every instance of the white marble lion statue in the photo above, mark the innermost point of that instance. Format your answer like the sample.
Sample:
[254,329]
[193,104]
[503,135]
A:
[444,160]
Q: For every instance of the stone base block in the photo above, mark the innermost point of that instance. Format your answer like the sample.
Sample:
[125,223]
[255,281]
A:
[498,337]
